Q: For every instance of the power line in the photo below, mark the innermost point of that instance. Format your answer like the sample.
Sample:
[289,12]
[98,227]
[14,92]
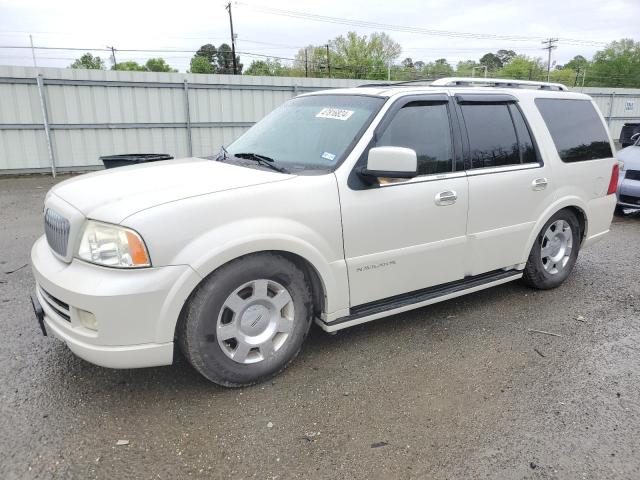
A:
[404,28]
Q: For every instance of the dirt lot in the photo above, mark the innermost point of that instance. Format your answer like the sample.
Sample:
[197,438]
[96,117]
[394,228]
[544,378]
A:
[461,389]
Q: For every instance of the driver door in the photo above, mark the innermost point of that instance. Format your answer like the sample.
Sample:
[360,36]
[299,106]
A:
[403,236]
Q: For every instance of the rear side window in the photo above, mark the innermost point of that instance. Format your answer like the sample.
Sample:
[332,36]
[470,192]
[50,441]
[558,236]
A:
[492,135]
[576,129]
[423,127]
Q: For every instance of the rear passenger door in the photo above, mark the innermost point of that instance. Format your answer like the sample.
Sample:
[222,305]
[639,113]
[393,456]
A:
[509,185]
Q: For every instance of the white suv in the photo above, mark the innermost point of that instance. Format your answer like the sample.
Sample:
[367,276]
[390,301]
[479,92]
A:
[341,206]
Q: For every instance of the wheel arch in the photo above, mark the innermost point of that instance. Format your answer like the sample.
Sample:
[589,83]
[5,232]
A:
[312,275]
[573,204]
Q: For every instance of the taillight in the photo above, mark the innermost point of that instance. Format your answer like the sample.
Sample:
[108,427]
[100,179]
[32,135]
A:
[613,183]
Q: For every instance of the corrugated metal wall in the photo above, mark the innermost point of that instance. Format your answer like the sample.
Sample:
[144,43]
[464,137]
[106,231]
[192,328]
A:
[92,113]
[618,106]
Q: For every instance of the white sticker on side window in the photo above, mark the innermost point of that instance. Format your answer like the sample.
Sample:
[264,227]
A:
[335,113]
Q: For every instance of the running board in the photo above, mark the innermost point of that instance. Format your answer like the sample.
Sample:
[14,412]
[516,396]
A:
[420,298]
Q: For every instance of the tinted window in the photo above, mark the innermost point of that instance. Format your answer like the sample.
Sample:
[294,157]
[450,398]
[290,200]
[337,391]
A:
[492,135]
[527,150]
[576,129]
[424,127]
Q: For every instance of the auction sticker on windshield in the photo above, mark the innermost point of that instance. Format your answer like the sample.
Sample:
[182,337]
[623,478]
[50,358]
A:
[335,113]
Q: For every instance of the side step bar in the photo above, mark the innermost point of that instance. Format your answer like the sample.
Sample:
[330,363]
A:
[420,298]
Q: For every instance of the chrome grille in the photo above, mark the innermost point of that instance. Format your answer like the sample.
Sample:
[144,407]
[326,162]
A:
[56,228]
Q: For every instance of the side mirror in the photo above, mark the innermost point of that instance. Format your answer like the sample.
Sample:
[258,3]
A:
[391,162]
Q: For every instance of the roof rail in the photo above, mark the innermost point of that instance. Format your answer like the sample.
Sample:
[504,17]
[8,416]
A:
[496,82]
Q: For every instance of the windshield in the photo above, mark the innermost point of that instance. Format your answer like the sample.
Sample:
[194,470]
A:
[309,133]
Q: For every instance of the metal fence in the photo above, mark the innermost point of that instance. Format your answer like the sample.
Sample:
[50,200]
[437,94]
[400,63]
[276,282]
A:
[62,119]
[68,118]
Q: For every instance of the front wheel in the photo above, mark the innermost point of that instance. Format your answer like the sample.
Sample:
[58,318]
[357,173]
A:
[247,321]
[554,252]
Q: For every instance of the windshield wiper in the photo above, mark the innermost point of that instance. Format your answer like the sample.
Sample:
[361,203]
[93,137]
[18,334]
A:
[262,160]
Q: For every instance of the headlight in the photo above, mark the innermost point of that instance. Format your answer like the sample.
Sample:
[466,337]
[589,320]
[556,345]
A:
[112,246]
[621,165]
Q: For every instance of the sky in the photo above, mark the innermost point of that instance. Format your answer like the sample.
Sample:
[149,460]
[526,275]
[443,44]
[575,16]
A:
[179,28]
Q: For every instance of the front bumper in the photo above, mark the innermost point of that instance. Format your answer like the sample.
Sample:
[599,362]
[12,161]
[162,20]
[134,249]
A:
[135,310]
[629,193]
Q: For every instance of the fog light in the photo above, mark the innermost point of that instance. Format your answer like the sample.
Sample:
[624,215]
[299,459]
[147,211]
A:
[88,320]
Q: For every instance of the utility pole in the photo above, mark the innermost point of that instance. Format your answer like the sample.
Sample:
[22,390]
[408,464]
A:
[328,60]
[306,63]
[113,57]
[550,45]
[33,52]
[233,40]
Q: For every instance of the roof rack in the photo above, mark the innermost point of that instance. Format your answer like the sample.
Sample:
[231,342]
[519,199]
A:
[497,82]
[474,81]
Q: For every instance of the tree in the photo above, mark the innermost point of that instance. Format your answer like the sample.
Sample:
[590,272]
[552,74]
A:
[158,65]
[88,61]
[522,67]
[465,68]
[438,69]
[201,65]
[224,60]
[129,65]
[268,67]
[576,63]
[356,56]
[505,56]
[491,61]
[315,58]
[617,65]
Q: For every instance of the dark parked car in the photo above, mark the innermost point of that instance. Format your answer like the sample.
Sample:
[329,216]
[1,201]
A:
[628,131]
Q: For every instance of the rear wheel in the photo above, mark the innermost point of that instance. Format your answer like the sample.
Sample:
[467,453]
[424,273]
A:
[554,252]
[247,321]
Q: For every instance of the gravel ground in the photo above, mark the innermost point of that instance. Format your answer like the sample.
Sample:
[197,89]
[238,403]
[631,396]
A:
[461,389]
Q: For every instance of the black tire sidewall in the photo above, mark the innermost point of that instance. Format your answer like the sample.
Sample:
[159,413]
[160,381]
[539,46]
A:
[204,352]
[535,272]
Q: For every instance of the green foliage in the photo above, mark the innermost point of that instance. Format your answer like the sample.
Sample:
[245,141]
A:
[220,60]
[491,61]
[577,63]
[350,56]
[465,68]
[566,76]
[130,66]
[158,65]
[268,67]
[363,57]
[88,61]
[618,65]
[522,67]
[505,56]
[200,65]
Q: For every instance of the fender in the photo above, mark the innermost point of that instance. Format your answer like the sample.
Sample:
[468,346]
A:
[556,206]
[229,241]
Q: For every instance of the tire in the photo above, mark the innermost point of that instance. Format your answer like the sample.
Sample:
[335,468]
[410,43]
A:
[246,321]
[548,265]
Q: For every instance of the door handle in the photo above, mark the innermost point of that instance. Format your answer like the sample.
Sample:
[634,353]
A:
[539,184]
[448,197]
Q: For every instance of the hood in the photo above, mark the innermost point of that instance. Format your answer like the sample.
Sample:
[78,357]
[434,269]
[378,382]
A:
[630,156]
[113,195]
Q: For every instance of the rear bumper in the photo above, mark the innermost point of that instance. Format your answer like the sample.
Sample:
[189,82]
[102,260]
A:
[135,310]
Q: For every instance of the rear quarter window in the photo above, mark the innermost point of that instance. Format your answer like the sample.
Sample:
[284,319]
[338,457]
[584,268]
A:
[576,129]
